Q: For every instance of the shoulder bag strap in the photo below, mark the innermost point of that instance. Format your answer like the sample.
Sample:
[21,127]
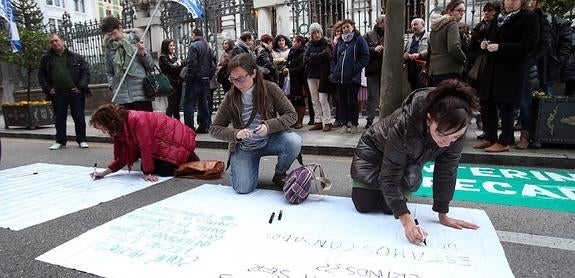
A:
[323,180]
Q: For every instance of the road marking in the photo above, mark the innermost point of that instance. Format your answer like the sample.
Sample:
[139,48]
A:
[536,240]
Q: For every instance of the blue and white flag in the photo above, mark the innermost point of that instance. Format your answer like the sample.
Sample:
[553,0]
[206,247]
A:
[194,7]
[6,13]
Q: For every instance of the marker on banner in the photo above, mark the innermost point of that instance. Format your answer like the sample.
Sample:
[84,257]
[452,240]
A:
[94,173]
[272,217]
[420,231]
[280,215]
[35,173]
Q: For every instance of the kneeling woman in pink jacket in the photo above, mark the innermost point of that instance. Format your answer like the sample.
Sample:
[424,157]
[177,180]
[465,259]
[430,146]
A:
[162,143]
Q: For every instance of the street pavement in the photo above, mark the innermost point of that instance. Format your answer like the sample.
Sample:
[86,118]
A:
[537,242]
[336,144]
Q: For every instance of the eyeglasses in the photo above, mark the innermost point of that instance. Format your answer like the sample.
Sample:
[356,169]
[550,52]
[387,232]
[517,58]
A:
[460,10]
[238,79]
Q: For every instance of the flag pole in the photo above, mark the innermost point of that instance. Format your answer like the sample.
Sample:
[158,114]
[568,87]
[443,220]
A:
[134,56]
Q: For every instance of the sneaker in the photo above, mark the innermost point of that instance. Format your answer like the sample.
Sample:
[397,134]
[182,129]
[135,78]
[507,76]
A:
[57,146]
[353,130]
[84,145]
[343,130]
[481,136]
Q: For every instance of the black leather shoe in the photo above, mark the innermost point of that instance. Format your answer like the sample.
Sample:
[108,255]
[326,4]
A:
[279,179]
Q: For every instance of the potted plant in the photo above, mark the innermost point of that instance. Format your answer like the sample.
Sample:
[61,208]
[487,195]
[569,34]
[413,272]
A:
[29,113]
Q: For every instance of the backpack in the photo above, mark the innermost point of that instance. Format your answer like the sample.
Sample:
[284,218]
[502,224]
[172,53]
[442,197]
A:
[298,183]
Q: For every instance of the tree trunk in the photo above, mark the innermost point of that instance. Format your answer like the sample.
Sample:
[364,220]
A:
[391,90]
[10,81]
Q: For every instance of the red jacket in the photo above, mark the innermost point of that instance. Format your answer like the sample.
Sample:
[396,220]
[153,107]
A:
[152,136]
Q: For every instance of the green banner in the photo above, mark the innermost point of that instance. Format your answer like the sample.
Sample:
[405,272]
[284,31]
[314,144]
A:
[551,189]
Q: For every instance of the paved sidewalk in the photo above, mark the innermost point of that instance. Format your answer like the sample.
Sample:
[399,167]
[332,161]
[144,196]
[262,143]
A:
[336,144]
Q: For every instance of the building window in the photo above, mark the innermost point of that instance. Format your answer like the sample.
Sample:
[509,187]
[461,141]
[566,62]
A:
[57,3]
[54,24]
[79,6]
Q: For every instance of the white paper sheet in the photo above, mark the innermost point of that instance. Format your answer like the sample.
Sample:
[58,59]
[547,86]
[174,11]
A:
[211,231]
[39,192]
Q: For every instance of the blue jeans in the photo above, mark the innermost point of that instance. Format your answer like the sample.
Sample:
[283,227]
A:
[245,164]
[76,102]
[197,96]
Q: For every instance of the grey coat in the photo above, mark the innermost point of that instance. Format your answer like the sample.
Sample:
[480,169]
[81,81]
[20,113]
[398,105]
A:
[132,89]
[447,57]
[391,150]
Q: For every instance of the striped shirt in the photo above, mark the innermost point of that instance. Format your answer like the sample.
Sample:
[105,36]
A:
[255,141]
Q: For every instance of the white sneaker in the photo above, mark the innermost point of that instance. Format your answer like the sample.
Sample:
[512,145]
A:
[84,145]
[57,146]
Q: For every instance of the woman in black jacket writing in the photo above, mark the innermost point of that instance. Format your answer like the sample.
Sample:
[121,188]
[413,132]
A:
[388,160]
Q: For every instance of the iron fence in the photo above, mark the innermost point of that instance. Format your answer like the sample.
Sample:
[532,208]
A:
[86,38]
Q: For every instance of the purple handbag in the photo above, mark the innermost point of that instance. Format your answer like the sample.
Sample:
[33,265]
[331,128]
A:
[298,183]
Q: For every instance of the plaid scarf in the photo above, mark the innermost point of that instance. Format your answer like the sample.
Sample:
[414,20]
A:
[121,60]
[505,17]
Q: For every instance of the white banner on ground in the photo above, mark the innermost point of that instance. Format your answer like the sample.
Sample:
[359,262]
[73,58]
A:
[211,231]
[39,192]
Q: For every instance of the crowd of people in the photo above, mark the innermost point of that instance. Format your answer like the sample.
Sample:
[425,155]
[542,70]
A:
[502,59]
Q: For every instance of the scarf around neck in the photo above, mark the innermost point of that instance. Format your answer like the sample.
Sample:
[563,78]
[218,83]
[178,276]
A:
[505,17]
[121,60]
[348,37]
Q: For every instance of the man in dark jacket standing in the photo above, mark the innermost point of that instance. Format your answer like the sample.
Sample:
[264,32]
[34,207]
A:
[244,45]
[374,40]
[64,77]
[559,51]
[568,71]
[201,69]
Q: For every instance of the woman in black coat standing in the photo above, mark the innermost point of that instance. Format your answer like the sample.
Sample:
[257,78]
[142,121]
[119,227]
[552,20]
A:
[297,79]
[171,66]
[510,40]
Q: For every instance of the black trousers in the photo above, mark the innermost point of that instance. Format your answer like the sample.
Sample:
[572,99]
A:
[174,100]
[163,168]
[167,169]
[139,106]
[489,113]
[369,200]
[77,103]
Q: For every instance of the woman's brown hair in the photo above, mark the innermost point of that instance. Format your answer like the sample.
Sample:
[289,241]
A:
[451,104]
[452,5]
[110,118]
[247,62]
